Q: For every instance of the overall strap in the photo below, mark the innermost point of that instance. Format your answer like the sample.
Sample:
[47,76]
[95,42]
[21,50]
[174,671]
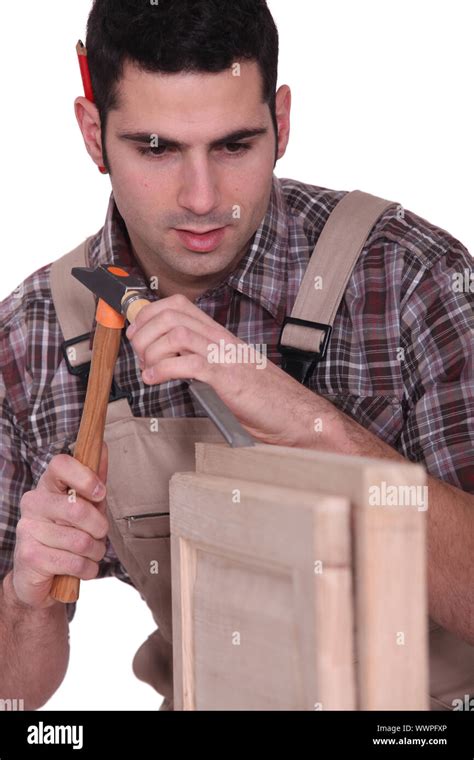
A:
[305,334]
[75,307]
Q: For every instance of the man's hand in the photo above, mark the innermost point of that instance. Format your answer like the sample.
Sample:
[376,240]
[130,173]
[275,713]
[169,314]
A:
[174,339]
[62,529]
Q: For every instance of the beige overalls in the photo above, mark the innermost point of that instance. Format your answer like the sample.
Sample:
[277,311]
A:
[145,452]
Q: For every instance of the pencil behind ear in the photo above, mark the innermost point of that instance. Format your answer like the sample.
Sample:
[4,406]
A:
[86,80]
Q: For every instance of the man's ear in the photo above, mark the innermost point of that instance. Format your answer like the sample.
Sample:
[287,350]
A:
[283,110]
[87,116]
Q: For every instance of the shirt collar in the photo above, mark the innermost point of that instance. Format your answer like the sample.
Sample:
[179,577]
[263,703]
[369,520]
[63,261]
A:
[261,275]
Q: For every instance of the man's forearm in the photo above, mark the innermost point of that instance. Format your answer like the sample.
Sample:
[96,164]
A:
[450,528]
[34,649]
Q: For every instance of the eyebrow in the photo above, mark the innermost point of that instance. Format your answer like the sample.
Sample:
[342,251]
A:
[145,138]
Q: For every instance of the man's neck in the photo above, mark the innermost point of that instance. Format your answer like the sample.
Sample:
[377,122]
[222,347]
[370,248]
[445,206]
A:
[169,287]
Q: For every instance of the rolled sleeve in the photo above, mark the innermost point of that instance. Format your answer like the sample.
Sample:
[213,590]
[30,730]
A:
[15,479]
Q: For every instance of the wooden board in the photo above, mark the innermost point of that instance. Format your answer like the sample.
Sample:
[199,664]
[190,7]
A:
[290,590]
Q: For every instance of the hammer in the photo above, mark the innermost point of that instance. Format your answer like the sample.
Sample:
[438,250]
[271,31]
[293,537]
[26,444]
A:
[122,296]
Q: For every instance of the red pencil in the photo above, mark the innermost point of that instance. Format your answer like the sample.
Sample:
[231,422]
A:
[86,80]
[85,73]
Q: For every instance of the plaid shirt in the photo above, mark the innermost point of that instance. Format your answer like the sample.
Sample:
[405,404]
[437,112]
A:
[399,361]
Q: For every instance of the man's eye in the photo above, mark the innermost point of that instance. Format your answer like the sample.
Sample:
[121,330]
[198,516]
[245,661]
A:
[154,151]
[240,148]
[232,149]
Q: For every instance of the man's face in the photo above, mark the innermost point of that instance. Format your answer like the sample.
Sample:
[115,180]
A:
[196,184]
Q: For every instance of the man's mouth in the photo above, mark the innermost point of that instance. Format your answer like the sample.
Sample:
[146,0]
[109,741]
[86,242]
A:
[202,242]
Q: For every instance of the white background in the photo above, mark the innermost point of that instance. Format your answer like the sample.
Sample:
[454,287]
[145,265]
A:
[382,102]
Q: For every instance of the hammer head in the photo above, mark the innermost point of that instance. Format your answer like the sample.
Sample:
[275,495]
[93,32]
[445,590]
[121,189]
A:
[110,283]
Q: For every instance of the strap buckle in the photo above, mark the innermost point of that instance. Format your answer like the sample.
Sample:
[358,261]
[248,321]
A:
[296,361]
[82,370]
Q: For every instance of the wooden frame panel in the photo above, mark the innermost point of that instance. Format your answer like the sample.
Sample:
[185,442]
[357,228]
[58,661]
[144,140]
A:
[297,508]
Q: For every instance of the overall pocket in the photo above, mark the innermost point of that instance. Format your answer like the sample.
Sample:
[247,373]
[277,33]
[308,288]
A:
[147,539]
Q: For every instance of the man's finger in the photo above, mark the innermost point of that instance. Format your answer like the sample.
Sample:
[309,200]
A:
[64,473]
[178,303]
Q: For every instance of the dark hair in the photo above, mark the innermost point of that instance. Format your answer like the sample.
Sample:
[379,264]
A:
[178,35]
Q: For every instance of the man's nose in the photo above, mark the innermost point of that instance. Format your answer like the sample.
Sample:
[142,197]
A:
[199,191]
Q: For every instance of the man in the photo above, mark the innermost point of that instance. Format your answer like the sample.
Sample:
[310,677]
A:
[189,125]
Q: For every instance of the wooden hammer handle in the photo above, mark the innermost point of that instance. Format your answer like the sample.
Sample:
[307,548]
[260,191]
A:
[65,588]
